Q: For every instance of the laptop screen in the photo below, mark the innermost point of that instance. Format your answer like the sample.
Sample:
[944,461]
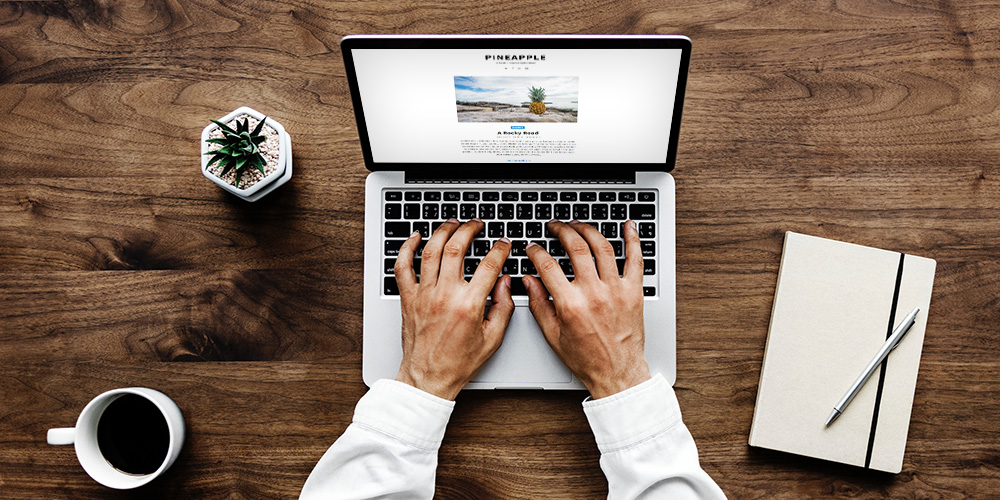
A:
[524,105]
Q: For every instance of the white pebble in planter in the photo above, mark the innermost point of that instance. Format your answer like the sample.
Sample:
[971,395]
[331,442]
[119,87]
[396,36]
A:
[276,149]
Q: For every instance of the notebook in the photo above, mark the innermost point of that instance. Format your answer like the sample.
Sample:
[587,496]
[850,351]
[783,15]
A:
[834,306]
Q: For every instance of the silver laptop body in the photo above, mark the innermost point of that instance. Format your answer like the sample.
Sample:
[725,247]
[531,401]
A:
[600,152]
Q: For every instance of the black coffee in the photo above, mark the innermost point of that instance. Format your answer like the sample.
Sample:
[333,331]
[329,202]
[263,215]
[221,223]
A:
[133,435]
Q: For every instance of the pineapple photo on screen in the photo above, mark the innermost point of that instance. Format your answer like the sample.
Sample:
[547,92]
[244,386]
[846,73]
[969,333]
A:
[537,96]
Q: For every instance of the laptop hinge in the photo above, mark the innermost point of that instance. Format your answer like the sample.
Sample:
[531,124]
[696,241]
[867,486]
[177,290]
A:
[537,176]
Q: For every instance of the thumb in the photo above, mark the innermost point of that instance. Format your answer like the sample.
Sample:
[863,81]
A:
[542,309]
[499,315]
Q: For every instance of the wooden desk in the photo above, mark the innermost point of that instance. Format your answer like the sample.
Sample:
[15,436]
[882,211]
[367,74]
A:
[120,265]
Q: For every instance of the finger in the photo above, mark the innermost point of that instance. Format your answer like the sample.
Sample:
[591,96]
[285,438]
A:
[406,278]
[604,254]
[577,249]
[548,269]
[430,260]
[499,316]
[633,254]
[489,269]
[542,309]
[453,254]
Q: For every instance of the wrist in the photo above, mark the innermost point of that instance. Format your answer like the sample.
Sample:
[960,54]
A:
[608,386]
[443,390]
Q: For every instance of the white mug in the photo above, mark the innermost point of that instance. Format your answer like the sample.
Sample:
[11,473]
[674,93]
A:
[84,436]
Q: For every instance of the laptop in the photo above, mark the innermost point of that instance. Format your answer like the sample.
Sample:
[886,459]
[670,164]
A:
[517,130]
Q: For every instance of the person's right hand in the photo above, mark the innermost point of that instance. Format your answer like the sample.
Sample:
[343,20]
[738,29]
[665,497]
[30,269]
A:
[594,323]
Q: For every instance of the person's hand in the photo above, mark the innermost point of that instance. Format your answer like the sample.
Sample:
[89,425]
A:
[594,323]
[446,340]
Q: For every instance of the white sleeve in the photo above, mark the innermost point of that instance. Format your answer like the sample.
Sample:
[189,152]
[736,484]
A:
[389,451]
[646,451]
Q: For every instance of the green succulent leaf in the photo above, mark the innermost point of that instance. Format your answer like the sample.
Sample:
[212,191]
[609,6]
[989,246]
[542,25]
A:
[214,159]
[259,127]
[239,173]
[223,126]
[259,139]
[226,169]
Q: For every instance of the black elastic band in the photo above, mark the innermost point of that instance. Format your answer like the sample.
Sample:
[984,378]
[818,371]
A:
[881,375]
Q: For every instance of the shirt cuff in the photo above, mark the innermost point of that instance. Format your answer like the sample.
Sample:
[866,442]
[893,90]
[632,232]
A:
[404,412]
[633,415]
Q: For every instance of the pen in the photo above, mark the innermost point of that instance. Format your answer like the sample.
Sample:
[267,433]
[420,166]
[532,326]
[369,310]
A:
[889,345]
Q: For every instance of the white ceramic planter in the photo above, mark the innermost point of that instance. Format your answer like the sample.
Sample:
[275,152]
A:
[269,183]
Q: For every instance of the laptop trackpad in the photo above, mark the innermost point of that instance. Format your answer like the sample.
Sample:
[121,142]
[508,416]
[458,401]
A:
[524,356]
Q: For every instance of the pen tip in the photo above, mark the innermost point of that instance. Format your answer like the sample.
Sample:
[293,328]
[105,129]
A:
[833,416]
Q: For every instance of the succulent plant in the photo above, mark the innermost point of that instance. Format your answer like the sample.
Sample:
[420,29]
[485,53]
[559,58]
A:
[240,148]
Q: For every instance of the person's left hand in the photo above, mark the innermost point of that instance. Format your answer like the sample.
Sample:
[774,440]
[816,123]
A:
[446,340]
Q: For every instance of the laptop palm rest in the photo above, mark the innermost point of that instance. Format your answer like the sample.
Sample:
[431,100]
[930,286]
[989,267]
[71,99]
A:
[524,356]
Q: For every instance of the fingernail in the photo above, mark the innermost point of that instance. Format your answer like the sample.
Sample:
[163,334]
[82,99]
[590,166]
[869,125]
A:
[506,281]
[574,221]
[532,244]
[505,240]
[452,221]
[414,233]
[553,220]
[633,224]
[477,219]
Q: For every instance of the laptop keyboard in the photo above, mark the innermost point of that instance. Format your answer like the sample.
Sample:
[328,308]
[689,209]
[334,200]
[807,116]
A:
[520,216]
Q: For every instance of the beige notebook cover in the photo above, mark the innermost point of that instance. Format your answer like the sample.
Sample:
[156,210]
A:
[834,306]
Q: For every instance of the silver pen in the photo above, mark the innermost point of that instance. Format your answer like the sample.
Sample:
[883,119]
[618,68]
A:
[888,346]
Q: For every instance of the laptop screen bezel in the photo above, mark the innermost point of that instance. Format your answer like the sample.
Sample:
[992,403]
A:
[349,43]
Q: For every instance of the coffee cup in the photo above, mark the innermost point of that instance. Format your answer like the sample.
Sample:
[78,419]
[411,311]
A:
[125,438]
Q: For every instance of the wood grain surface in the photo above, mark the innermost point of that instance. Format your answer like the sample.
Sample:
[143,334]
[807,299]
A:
[873,122]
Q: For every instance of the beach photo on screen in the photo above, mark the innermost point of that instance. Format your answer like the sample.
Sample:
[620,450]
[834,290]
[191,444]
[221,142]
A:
[526,99]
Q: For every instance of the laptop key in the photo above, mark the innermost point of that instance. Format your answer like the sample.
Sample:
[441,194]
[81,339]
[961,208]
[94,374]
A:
[390,266]
[452,196]
[527,267]
[626,196]
[649,291]
[642,211]
[509,266]
[515,229]
[487,211]
[588,196]
[470,266]
[549,196]
[430,211]
[424,228]
[449,211]
[491,196]
[397,229]
[435,225]
[567,196]
[393,196]
[411,211]
[556,249]
[562,211]
[517,248]
[468,211]
[607,196]
[392,247]
[432,196]
[647,196]
[599,211]
[566,266]
[470,196]
[581,211]
[533,229]
[543,211]
[529,196]
[647,230]
[619,212]
[648,248]
[505,211]
[495,230]
[393,211]
[480,247]
[389,286]
[524,211]
[648,266]
[517,287]
[412,195]
[510,196]
[609,229]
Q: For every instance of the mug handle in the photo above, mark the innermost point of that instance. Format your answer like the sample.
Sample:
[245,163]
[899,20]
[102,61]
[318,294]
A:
[62,435]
